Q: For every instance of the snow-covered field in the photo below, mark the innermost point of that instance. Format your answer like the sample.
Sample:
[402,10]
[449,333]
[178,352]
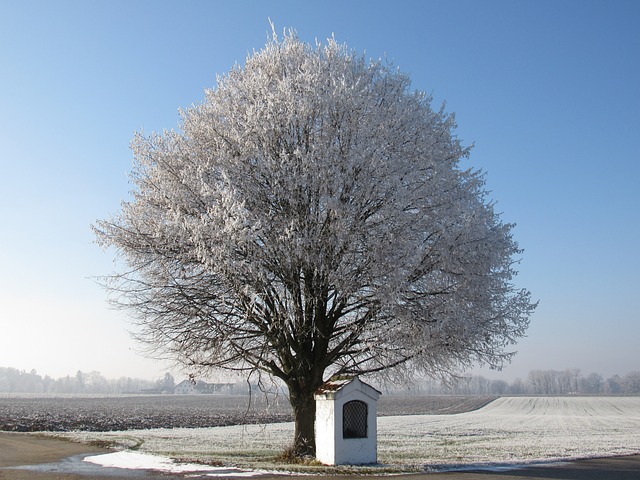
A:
[510,430]
[516,430]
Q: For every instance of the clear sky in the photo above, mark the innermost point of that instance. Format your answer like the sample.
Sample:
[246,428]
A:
[548,91]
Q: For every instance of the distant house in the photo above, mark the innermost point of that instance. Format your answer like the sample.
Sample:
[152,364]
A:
[188,387]
[185,387]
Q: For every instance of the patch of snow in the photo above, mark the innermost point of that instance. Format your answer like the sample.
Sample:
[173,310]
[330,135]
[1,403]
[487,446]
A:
[143,461]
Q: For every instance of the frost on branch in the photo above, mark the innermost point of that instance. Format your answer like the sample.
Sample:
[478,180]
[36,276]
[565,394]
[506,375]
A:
[310,218]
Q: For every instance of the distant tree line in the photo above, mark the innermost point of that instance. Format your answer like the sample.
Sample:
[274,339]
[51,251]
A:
[14,380]
[539,382]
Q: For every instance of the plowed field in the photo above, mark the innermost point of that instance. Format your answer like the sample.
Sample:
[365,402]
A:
[29,413]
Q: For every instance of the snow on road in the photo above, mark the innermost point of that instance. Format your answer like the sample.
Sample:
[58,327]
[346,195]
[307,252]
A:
[508,430]
[142,461]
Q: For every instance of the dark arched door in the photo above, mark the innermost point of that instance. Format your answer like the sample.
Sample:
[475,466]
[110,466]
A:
[354,419]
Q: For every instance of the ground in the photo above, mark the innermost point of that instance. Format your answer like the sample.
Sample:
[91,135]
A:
[25,449]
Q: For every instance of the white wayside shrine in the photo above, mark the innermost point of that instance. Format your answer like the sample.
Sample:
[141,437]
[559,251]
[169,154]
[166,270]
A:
[346,425]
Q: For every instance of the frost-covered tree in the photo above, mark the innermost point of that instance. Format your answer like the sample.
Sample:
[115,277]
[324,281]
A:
[310,218]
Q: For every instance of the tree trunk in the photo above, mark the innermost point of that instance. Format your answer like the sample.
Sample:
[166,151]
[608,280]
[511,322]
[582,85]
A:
[304,413]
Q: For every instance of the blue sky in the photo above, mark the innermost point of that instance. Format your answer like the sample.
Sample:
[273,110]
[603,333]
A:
[548,91]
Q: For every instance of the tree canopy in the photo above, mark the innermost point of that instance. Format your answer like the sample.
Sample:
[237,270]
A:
[309,218]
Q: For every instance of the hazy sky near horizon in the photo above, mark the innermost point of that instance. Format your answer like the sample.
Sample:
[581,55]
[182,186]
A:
[547,91]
